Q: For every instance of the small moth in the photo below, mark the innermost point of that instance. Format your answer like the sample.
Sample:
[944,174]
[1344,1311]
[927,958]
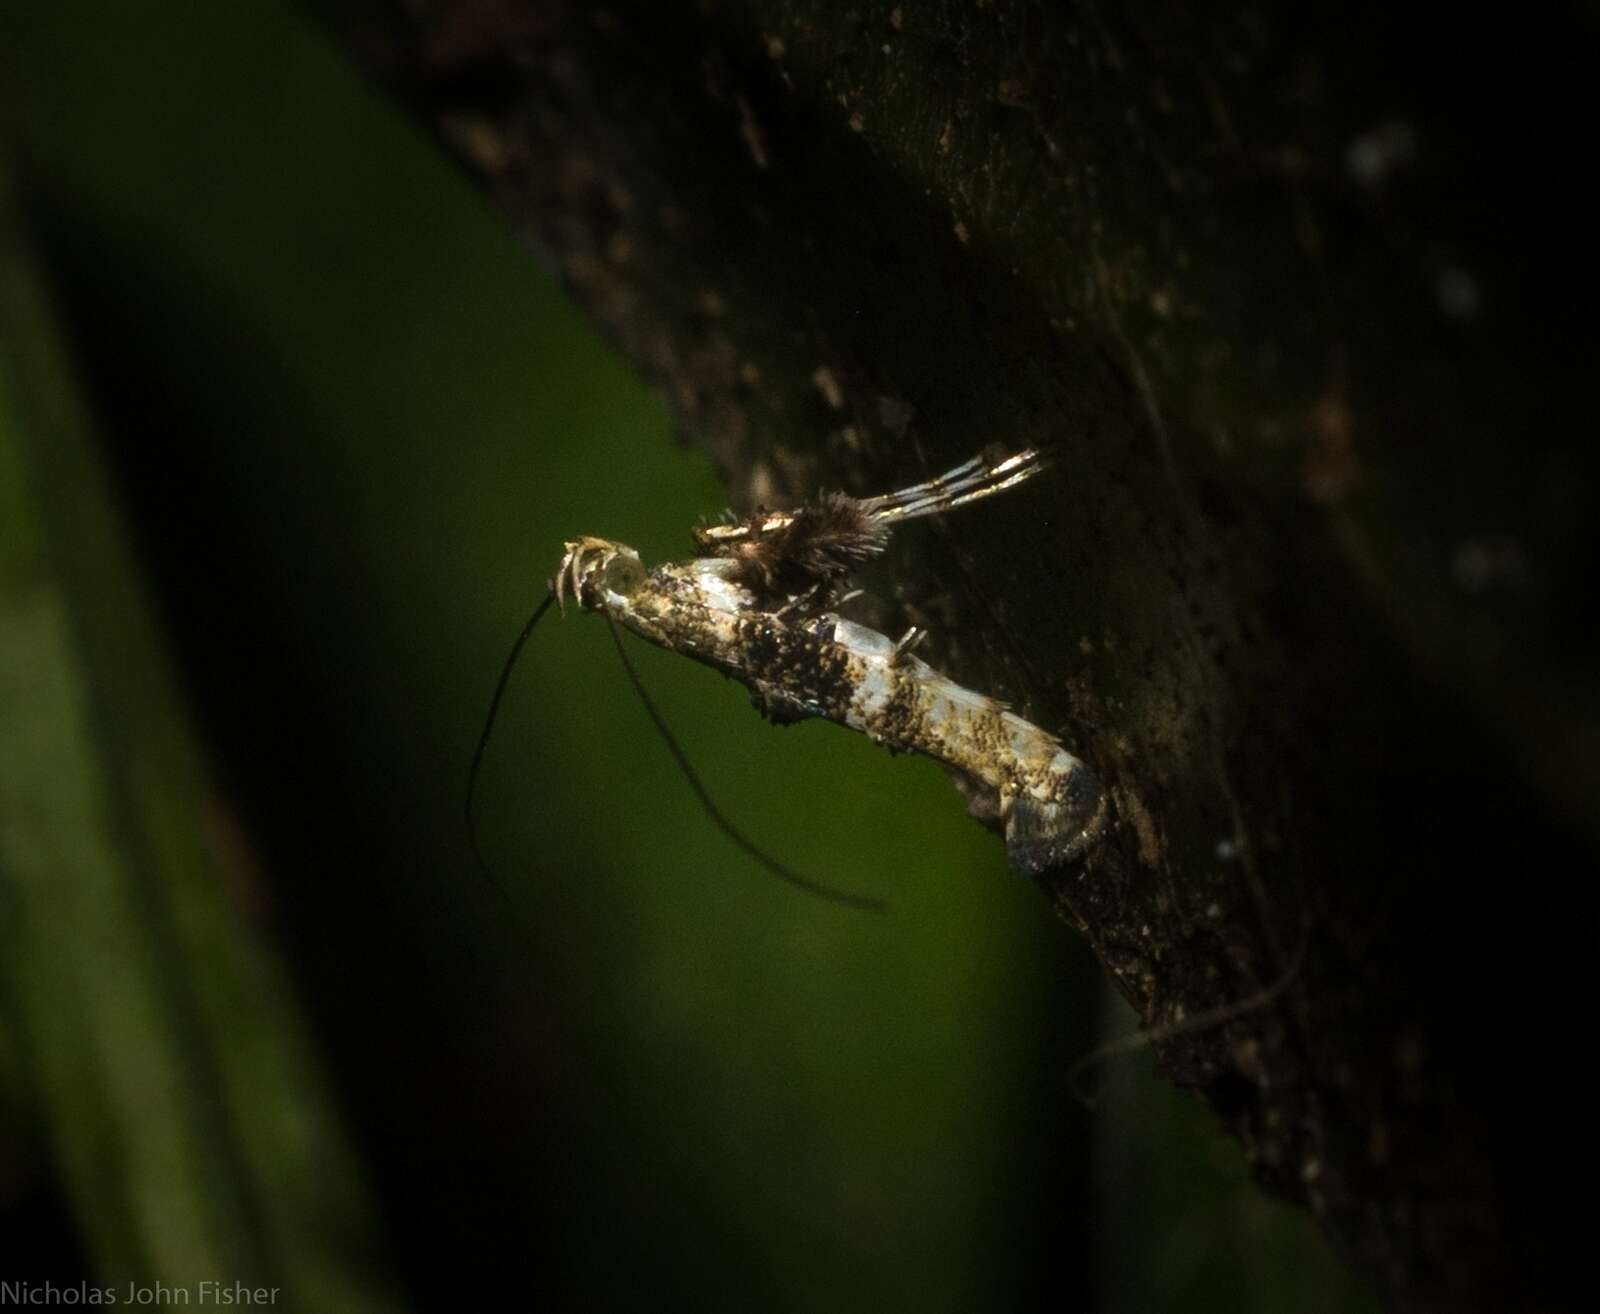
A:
[756,604]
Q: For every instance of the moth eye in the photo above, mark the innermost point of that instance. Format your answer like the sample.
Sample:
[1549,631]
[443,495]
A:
[623,575]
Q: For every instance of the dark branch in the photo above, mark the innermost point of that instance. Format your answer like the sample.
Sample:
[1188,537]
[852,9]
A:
[1286,304]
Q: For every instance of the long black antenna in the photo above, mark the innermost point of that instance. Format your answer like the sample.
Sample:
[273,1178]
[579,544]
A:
[727,827]
[488,729]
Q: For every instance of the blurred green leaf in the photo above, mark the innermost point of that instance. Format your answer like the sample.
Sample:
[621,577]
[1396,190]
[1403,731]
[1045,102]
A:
[184,1107]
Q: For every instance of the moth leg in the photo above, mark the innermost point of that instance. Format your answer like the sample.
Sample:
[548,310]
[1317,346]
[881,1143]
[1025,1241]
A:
[800,601]
[776,710]
[906,643]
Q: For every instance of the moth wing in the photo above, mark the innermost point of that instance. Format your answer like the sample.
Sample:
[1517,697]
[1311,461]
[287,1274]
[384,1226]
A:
[1042,835]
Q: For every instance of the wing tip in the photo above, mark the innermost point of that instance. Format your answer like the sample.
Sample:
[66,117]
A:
[1043,835]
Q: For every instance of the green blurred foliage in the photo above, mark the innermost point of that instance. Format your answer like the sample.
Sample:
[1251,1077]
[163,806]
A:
[354,422]
[154,1032]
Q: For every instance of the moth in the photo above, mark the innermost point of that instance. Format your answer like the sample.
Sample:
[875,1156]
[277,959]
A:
[757,602]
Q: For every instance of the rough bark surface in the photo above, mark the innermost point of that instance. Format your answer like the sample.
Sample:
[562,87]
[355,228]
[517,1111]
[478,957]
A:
[1289,298]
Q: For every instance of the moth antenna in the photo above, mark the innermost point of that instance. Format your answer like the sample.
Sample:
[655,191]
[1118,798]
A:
[483,741]
[777,868]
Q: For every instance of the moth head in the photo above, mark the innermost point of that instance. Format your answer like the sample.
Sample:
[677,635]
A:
[599,574]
